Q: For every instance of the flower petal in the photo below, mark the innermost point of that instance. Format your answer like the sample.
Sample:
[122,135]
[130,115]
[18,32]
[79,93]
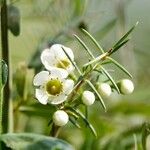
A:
[48,58]
[40,78]
[58,73]
[69,52]
[41,96]
[58,99]
[68,86]
[59,53]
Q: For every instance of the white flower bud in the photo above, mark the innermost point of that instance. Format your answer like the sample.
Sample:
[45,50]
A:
[60,118]
[88,98]
[104,89]
[126,86]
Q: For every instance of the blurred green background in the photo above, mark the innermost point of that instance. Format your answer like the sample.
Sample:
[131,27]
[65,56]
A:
[55,21]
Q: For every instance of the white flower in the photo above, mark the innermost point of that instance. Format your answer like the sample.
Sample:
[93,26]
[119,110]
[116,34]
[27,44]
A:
[52,87]
[126,86]
[104,89]
[88,98]
[60,118]
[55,57]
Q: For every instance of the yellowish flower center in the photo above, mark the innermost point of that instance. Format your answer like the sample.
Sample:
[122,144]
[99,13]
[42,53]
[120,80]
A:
[63,64]
[54,87]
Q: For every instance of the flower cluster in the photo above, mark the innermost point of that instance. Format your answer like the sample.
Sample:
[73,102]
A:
[59,84]
[53,85]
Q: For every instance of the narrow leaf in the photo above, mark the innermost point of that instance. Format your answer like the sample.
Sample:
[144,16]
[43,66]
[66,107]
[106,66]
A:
[126,35]
[85,120]
[135,142]
[111,79]
[120,66]
[74,123]
[73,63]
[84,45]
[99,58]
[99,97]
[114,49]
[93,40]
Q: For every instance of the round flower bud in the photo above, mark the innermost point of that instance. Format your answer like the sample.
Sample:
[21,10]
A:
[104,89]
[60,118]
[126,86]
[88,98]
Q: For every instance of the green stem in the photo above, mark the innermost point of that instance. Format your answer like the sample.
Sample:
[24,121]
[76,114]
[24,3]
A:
[54,131]
[5,57]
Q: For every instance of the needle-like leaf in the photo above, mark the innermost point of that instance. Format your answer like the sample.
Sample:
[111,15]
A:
[84,45]
[119,66]
[126,35]
[99,97]
[74,123]
[73,63]
[93,40]
[99,58]
[85,120]
[110,78]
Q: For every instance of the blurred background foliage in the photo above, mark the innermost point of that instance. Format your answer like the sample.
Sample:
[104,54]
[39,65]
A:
[43,23]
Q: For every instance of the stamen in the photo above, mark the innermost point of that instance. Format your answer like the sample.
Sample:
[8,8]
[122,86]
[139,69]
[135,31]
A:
[63,63]
[54,87]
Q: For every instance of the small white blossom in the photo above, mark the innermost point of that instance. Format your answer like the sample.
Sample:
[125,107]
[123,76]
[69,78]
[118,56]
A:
[126,86]
[104,89]
[60,118]
[55,57]
[52,87]
[88,98]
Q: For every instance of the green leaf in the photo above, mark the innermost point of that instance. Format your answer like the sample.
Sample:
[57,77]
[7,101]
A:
[145,133]
[30,141]
[14,20]
[99,97]
[84,45]
[111,79]
[85,120]
[119,66]
[126,35]
[114,49]
[99,58]
[93,40]
[75,123]
[73,63]
[38,110]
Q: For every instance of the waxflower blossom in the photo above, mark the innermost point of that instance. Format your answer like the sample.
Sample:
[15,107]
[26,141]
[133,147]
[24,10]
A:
[126,86]
[52,87]
[88,98]
[55,57]
[60,118]
[104,89]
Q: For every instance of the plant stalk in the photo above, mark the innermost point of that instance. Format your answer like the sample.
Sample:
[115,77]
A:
[5,57]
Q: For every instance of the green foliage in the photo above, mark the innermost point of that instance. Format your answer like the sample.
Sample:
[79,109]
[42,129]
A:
[97,93]
[13,20]
[30,141]
[3,80]
[38,110]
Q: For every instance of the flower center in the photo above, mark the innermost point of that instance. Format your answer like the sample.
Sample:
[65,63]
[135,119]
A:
[63,64]
[54,87]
